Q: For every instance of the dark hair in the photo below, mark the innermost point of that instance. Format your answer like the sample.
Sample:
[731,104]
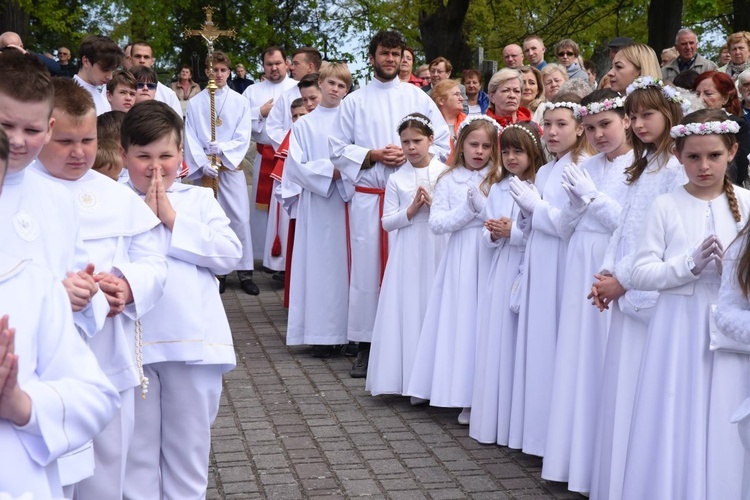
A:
[149,121]
[650,98]
[312,56]
[123,77]
[389,39]
[25,78]
[218,57]
[589,65]
[145,74]
[101,50]
[297,103]
[725,85]
[530,143]
[4,148]
[411,51]
[142,44]
[601,95]
[108,125]
[71,98]
[416,124]
[468,73]
[271,51]
[686,79]
[309,80]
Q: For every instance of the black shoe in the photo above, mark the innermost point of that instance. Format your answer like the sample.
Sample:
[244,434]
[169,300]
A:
[349,350]
[249,287]
[321,351]
[278,276]
[359,368]
[222,283]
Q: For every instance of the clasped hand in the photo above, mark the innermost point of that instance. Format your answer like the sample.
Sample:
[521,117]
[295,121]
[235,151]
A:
[499,228]
[421,197]
[158,201]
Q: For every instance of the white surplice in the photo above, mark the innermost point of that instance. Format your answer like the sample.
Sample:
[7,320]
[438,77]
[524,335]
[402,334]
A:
[122,237]
[368,119]
[582,332]
[99,96]
[167,96]
[279,119]
[320,254]
[233,136]
[187,345]
[71,398]
[414,258]
[258,94]
[682,443]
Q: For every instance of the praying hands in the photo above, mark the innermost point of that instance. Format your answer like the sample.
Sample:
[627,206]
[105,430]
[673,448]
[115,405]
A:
[157,200]
[15,405]
[81,287]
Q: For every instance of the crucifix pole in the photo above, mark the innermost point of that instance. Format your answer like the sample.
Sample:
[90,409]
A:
[209,32]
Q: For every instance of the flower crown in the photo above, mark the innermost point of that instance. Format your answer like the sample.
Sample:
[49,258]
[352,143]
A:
[598,107]
[519,127]
[725,127]
[413,118]
[473,118]
[671,93]
[554,105]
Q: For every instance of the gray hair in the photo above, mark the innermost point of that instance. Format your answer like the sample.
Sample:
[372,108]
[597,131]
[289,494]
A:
[577,86]
[503,76]
[744,76]
[685,31]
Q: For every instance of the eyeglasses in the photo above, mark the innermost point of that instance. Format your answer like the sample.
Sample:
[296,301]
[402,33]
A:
[563,54]
[150,86]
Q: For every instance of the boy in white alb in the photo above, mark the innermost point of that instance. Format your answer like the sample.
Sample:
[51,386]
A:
[232,141]
[187,343]
[320,246]
[120,236]
[48,405]
[100,56]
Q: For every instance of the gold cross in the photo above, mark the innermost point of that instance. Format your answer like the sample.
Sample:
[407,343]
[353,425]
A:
[209,31]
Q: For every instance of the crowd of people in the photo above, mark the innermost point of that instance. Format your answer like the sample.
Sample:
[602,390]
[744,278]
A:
[566,261]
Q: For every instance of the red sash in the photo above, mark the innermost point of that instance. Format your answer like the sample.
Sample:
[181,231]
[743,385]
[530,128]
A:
[383,234]
[265,183]
[288,263]
[280,158]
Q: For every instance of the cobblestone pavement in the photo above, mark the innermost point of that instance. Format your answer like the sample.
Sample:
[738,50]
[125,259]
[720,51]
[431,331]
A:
[291,426]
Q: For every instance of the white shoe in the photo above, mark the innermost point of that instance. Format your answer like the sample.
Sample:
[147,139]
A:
[465,416]
[415,401]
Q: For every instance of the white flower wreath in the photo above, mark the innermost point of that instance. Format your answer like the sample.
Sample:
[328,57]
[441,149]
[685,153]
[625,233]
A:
[671,93]
[725,127]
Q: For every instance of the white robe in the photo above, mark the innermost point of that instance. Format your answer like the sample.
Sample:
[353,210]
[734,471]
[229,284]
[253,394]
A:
[544,270]
[444,363]
[497,324]
[279,119]
[368,119]
[627,331]
[682,443]
[71,398]
[582,332]
[100,98]
[258,94]
[122,237]
[233,136]
[414,258]
[167,96]
[320,253]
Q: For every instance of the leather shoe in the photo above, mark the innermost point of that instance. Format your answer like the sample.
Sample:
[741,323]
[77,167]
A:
[321,351]
[359,368]
[249,287]
[349,350]
[222,283]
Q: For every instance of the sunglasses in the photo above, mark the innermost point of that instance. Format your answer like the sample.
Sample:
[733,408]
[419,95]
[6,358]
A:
[150,86]
[563,54]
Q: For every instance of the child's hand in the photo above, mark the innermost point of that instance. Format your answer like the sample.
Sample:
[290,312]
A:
[165,211]
[606,290]
[81,287]
[499,228]
[151,200]
[15,405]
[117,290]
[417,202]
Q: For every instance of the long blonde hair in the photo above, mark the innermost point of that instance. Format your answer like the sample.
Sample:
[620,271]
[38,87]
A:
[457,160]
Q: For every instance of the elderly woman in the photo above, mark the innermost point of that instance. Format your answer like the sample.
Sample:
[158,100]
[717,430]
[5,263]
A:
[568,55]
[553,76]
[629,63]
[449,100]
[717,91]
[533,88]
[185,87]
[505,90]
[405,70]
[739,52]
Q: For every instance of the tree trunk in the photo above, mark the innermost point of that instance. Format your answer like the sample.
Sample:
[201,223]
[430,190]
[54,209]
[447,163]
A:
[664,20]
[741,11]
[441,28]
[13,18]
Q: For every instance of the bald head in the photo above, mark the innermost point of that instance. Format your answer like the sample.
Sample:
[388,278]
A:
[10,39]
[513,56]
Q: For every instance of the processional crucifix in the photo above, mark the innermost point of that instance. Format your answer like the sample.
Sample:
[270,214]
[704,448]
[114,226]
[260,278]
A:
[210,33]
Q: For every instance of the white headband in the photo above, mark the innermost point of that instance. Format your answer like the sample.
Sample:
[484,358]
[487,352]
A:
[554,105]
[707,128]
[598,107]
[670,93]
[520,127]
[472,118]
[410,118]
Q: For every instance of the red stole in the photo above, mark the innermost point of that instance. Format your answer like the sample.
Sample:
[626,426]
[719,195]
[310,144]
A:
[265,183]
[280,158]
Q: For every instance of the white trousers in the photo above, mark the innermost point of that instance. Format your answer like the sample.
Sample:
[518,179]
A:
[170,451]
[110,452]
